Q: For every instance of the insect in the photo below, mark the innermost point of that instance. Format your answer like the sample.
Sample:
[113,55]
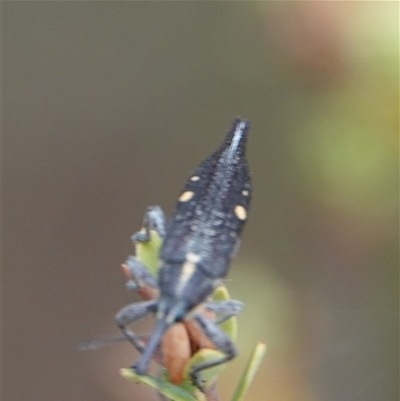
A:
[198,245]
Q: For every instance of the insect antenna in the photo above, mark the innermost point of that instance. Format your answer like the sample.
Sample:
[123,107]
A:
[88,345]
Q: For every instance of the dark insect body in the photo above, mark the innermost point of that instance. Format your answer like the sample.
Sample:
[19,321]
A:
[198,245]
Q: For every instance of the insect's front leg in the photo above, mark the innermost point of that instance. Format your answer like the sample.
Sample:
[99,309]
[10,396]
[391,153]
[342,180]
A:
[138,275]
[130,314]
[222,342]
[224,309]
[154,219]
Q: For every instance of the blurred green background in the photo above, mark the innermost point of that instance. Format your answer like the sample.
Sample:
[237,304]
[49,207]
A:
[108,107]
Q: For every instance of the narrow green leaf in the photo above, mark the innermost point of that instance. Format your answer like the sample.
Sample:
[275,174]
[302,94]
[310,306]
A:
[169,390]
[250,371]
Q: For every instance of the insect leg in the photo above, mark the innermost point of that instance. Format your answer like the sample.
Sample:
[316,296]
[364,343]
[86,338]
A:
[154,219]
[220,339]
[138,274]
[225,309]
[131,313]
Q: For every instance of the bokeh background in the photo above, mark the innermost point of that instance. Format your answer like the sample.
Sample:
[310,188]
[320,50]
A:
[108,107]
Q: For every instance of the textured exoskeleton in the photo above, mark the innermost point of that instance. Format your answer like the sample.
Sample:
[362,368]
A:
[199,243]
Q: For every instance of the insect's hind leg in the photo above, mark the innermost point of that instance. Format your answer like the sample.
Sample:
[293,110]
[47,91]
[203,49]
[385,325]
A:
[131,313]
[126,315]
[222,342]
[154,219]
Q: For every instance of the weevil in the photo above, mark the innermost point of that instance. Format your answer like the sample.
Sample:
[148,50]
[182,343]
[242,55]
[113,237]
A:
[198,245]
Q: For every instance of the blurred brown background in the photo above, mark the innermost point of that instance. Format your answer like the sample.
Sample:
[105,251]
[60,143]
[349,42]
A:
[107,108]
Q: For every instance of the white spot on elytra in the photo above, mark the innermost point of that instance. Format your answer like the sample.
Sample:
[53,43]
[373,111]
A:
[188,270]
[186,196]
[245,192]
[240,212]
[195,178]
[193,258]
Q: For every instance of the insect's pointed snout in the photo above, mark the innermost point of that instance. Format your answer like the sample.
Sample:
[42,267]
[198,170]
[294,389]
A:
[143,364]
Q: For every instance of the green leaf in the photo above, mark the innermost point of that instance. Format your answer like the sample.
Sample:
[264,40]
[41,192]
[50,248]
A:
[202,356]
[147,252]
[169,390]
[250,371]
[229,326]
